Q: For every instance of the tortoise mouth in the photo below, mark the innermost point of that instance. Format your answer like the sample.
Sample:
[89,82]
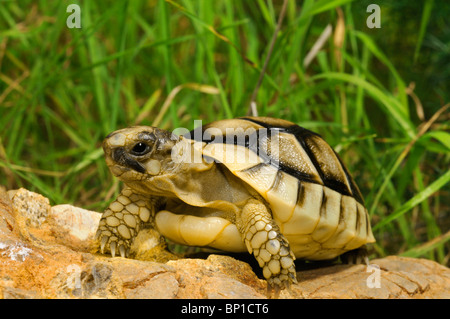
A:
[120,157]
[119,162]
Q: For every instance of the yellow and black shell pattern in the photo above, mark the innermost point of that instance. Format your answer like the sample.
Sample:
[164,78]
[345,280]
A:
[313,198]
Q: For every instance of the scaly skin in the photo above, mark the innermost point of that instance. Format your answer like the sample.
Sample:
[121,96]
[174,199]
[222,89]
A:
[265,241]
[123,219]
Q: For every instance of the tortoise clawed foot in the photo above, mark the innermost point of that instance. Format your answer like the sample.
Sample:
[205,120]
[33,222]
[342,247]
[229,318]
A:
[276,284]
[280,271]
[282,276]
[110,242]
[356,256]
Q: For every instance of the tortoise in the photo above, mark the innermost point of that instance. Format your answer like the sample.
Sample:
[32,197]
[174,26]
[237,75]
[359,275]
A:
[260,185]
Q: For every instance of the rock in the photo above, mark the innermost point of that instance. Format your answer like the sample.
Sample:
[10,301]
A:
[389,277]
[217,277]
[32,207]
[73,226]
[7,221]
[50,252]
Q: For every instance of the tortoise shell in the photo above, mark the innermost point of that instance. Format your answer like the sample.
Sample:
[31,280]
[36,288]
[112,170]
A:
[313,198]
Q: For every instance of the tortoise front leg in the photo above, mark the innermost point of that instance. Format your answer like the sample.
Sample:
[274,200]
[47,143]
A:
[123,219]
[271,249]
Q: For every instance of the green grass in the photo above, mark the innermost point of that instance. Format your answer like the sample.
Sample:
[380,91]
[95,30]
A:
[171,62]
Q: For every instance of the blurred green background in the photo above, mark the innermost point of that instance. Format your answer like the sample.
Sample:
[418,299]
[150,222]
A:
[378,96]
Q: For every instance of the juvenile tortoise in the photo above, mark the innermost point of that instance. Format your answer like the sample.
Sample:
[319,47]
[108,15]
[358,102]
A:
[260,185]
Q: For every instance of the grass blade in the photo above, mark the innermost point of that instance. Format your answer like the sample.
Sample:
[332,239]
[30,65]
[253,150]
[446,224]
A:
[392,106]
[426,14]
[416,200]
[370,44]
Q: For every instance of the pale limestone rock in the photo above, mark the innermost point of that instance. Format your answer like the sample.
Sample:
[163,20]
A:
[79,222]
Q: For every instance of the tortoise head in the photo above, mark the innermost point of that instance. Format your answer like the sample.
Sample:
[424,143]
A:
[139,152]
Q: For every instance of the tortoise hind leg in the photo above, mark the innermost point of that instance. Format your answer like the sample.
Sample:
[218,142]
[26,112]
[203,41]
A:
[356,256]
[265,241]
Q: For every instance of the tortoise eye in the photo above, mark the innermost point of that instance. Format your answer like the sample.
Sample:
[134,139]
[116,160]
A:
[140,149]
